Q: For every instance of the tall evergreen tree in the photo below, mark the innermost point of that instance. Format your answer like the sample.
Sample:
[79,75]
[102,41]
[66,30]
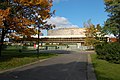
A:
[112,24]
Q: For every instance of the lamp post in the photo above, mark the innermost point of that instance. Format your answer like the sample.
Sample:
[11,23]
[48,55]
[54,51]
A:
[38,32]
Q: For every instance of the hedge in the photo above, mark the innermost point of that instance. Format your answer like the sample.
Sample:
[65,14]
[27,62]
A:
[109,52]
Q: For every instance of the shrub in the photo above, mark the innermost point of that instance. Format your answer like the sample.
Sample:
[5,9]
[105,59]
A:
[109,52]
[100,51]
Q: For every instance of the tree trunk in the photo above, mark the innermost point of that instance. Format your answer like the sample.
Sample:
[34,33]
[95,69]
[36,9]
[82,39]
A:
[119,35]
[2,40]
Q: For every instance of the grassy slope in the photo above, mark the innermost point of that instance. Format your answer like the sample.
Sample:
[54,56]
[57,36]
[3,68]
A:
[13,58]
[105,70]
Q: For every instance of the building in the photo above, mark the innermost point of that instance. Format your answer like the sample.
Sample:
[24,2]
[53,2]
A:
[67,32]
[70,36]
[65,35]
[73,37]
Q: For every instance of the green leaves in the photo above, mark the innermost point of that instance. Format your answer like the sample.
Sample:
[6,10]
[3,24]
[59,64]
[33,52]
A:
[112,24]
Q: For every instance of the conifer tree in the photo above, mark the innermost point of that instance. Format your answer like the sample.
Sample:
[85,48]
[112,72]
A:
[112,25]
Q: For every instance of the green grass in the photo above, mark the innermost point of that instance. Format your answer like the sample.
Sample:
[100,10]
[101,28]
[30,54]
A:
[105,70]
[12,58]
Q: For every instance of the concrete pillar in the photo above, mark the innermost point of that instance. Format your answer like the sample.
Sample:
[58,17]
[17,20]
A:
[78,45]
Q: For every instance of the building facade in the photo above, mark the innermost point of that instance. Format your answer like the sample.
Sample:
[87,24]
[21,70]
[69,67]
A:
[67,32]
[68,36]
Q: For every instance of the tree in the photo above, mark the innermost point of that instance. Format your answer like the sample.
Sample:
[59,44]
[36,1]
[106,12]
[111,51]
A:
[19,15]
[90,31]
[100,33]
[112,24]
[94,34]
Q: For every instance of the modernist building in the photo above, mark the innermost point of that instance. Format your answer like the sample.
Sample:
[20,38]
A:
[74,36]
[67,35]
[67,32]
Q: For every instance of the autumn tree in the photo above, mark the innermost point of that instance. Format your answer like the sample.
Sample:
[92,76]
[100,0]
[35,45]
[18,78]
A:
[112,24]
[94,34]
[90,31]
[19,15]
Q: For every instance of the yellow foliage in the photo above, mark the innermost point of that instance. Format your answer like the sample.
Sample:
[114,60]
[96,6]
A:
[3,15]
[20,24]
[42,3]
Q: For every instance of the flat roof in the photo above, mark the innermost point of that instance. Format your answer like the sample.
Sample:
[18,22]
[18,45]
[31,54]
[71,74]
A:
[61,36]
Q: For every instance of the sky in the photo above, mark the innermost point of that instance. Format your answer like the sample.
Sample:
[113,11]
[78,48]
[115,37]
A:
[73,13]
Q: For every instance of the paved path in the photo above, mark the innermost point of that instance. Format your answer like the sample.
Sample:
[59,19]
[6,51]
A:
[69,66]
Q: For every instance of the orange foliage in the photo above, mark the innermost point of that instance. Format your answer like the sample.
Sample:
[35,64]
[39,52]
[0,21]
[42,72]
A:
[17,24]
[3,15]
[45,6]
[42,3]
[21,24]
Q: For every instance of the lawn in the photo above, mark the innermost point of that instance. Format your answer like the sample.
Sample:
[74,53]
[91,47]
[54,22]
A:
[12,58]
[105,70]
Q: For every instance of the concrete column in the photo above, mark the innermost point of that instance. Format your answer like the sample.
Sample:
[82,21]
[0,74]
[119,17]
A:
[78,45]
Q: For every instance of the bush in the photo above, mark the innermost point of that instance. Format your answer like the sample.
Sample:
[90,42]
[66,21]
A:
[109,52]
[100,51]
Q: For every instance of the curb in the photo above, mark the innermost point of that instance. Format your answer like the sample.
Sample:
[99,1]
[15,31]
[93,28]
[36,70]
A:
[90,70]
[13,69]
